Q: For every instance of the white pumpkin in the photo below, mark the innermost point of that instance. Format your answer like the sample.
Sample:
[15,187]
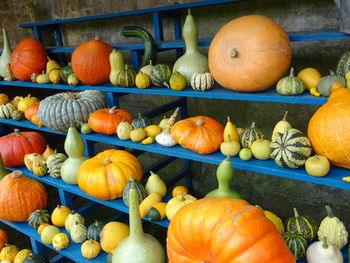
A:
[202,81]
[323,252]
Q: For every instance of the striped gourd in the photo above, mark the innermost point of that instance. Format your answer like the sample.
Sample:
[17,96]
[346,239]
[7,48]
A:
[142,194]
[202,81]
[54,163]
[250,135]
[6,110]
[304,225]
[17,115]
[343,64]
[290,85]
[126,77]
[291,149]
[160,75]
[296,243]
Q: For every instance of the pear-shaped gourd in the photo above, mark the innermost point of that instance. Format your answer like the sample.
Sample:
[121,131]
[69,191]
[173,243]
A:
[74,147]
[192,61]
[156,184]
[230,131]
[224,174]
[116,60]
[3,171]
[138,247]
[5,58]
[281,127]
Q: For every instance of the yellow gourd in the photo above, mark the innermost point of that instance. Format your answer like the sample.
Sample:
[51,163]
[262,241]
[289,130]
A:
[72,80]
[8,253]
[149,140]
[36,163]
[176,203]
[60,241]
[116,60]
[155,184]
[148,202]
[24,103]
[137,135]
[59,215]
[111,235]
[177,81]
[55,76]
[43,78]
[280,127]
[142,80]
[90,249]
[153,130]
[310,77]
[3,99]
[21,256]
[157,212]
[347,77]
[51,65]
[230,131]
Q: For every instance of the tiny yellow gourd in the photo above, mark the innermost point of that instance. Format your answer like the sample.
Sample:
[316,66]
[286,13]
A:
[8,253]
[60,241]
[142,80]
[177,81]
[55,76]
[43,78]
[90,249]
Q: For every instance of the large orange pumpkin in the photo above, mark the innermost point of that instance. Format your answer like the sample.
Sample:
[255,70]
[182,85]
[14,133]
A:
[200,134]
[14,146]
[31,111]
[27,58]
[105,175]
[90,62]
[328,128]
[249,54]
[4,239]
[20,196]
[224,230]
[107,120]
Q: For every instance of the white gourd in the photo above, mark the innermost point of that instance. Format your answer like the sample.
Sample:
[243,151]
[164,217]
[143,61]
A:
[202,81]
[323,252]
[5,58]
[78,233]
[165,139]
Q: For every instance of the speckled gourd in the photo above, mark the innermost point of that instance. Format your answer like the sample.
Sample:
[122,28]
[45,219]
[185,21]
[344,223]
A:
[57,111]
[290,85]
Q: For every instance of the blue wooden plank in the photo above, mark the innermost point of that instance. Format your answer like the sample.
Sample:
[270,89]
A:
[65,198]
[58,259]
[217,92]
[158,26]
[37,247]
[133,12]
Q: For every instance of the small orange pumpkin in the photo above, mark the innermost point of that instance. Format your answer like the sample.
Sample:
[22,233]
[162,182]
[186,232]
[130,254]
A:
[200,134]
[107,120]
[31,111]
[224,229]
[42,227]
[105,175]
[328,128]
[4,239]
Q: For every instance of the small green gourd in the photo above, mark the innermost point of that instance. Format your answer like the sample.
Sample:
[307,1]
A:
[334,229]
[224,174]
[38,217]
[325,83]
[74,147]
[54,163]
[65,72]
[138,247]
[296,243]
[3,171]
[94,230]
[193,60]
[290,85]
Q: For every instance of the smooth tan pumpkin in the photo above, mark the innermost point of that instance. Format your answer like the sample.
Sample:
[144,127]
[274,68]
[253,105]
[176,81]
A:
[200,134]
[328,128]
[105,175]
[224,229]
[249,54]
[111,235]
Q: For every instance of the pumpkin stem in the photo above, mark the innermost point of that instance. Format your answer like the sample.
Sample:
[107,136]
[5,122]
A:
[228,119]
[69,96]
[16,174]
[234,53]
[112,110]
[107,161]
[296,214]
[329,211]
[325,243]
[97,38]
[291,74]
[48,58]
[150,63]
[331,72]
[166,84]
[17,132]
[200,122]
[285,116]
[253,125]
[183,197]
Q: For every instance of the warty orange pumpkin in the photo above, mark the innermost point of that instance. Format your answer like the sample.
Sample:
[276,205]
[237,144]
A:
[249,54]
[90,62]
[328,128]
[200,134]
[27,58]
[107,120]
[20,196]
[224,229]
[105,175]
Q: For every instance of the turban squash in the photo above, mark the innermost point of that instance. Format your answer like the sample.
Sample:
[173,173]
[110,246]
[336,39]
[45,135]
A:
[328,128]
[226,230]
[249,54]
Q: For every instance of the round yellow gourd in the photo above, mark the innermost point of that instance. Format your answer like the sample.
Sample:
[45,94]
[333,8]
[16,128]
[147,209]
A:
[142,80]
[60,241]
[8,253]
[177,81]
[59,215]
[90,249]
[111,234]
[310,77]
[21,256]
[153,130]
[138,135]
[48,233]
[176,203]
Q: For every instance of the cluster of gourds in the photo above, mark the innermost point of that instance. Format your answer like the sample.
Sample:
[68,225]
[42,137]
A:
[311,79]
[11,254]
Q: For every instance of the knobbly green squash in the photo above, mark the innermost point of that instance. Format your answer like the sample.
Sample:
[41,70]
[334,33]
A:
[94,230]
[296,243]
[304,225]
[65,72]
[38,217]
[224,174]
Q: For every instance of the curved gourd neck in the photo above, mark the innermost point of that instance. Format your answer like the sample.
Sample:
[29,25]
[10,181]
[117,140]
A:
[225,177]
[136,230]
[190,34]
[7,47]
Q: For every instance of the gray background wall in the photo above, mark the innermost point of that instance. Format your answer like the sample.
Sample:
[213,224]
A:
[273,193]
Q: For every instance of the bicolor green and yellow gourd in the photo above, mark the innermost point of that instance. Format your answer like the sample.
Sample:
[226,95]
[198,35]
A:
[291,149]
[290,85]
[304,225]
[126,77]
[38,217]
[250,135]
[296,243]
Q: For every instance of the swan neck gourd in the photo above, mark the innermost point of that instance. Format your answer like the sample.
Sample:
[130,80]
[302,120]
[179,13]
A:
[5,58]
[190,33]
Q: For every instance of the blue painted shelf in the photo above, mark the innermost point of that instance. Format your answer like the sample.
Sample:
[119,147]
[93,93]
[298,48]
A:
[74,189]
[72,252]
[216,93]
[333,179]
